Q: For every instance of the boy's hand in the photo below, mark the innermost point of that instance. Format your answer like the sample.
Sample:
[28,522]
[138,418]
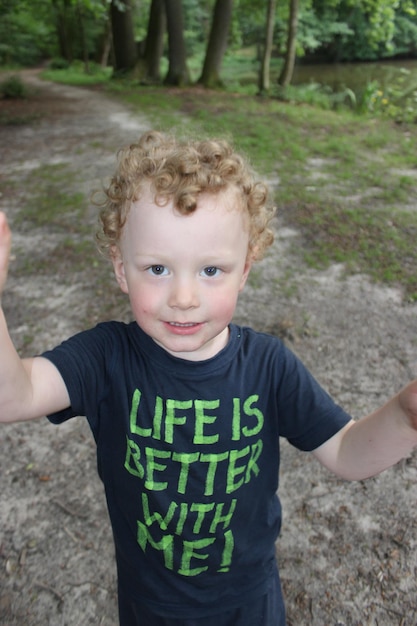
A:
[408,402]
[5,245]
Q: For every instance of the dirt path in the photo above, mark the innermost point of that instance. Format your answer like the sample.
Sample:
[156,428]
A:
[348,552]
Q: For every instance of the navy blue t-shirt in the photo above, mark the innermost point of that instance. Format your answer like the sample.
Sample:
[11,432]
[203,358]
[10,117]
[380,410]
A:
[189,456]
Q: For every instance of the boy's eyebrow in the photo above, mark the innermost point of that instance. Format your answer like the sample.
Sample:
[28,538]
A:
[211,258]
[148,256]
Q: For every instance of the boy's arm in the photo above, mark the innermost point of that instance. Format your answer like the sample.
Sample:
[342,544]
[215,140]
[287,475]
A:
[378,441]
[29,388]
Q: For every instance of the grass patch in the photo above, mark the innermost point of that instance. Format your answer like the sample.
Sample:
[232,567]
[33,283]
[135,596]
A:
[381,243]
[70,255]
[77,254]
[75,74]
[51,202]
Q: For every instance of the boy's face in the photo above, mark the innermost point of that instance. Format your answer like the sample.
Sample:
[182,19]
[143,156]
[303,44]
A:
[183,273]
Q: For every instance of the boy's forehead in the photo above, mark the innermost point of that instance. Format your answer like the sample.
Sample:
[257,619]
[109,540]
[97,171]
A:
[228,198]
[218,220]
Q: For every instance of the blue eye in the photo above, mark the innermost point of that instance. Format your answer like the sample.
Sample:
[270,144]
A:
[211,271]
[157,270]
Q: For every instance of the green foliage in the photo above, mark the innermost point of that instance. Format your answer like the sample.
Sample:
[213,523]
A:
[33,31]
[197,22]
[369,29]
[317,95]
[25,33]
[248,22]
[405,35]
[13,87]
[396,100]
[59,63]
[320,31]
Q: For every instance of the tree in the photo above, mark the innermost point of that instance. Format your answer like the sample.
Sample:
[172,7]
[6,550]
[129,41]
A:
[105,45]
[64,27]
[267,51]
[177,70]
[217,44]
[124,46]
[290,52]
[84,43]
[154,42]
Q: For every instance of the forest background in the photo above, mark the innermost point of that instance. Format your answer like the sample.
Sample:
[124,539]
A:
[179,42]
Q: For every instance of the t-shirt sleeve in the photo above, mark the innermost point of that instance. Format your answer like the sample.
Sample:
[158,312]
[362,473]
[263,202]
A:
[308,415]
[83,362]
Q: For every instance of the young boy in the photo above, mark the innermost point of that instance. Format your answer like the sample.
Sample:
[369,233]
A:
[187,408]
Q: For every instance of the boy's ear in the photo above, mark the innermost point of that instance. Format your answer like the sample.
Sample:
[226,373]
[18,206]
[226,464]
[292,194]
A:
[119,268]
[246,271]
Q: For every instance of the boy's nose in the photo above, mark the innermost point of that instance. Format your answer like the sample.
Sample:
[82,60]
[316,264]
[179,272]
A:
[184,294]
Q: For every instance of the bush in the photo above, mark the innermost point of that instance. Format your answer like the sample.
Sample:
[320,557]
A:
[397,100]
[13,87]
[59,64]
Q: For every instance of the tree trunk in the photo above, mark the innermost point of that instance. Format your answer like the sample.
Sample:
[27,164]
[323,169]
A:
[217,44]
[124,45]
[264,76]
[289,60]
[106,45]
[83,37]
[154,46]
[62,28]
[177,70]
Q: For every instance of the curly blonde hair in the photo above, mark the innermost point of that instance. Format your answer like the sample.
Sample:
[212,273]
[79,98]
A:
[179,171]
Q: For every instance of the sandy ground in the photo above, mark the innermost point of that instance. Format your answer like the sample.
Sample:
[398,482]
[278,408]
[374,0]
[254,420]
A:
[348,551]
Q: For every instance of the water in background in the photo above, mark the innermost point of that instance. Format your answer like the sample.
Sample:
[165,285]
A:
[356,76]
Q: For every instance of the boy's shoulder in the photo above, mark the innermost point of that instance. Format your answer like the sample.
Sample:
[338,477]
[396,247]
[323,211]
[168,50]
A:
[256,348]
[111,329]
[103,337]
[252,336]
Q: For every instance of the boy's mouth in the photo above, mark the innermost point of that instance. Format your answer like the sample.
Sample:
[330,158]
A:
[184,328]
